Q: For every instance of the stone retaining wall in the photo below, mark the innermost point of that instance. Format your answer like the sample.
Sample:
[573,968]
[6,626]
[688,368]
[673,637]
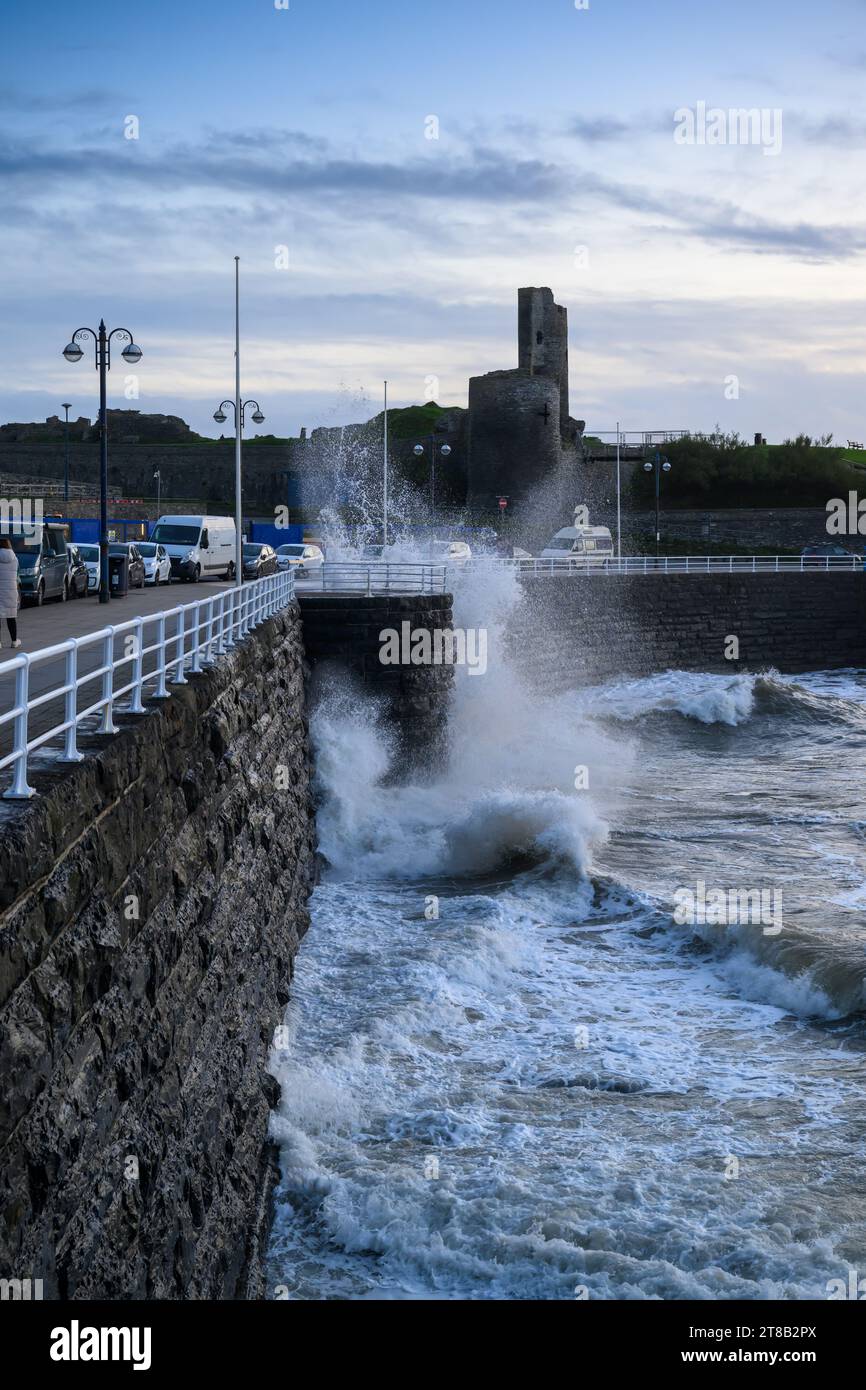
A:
[596,626]
[152,899]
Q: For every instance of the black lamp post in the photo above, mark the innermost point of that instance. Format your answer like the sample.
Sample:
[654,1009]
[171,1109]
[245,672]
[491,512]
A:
[240,419]
[444,451]
[131,354]
[65,405]
[661,466]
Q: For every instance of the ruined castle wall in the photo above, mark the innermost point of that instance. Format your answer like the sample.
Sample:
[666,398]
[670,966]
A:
[514,442]
[542,338]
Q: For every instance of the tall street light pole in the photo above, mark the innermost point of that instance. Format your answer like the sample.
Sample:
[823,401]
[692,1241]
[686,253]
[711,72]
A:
[661,466]
[240,409]
[131,354]
[385,473]
[158,476]
[418,451]
[239,421]
[66,406]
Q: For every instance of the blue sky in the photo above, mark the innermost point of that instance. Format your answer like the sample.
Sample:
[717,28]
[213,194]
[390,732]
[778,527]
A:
[683,267]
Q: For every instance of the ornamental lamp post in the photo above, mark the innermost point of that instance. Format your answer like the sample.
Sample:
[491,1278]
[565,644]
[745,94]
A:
[660,466]
[131,354]
[445,450]
[240,419]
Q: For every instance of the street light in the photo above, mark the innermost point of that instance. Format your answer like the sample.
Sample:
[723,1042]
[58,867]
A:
[131,354]
[240,420]
[66,405]
[158,476]
[660,466]
[445,450]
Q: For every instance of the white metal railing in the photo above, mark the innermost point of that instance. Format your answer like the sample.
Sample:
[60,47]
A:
[684,564]
[372,577]
[203,631]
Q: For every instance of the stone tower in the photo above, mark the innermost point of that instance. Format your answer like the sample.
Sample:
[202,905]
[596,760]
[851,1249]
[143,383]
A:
[520,436]
[542,338]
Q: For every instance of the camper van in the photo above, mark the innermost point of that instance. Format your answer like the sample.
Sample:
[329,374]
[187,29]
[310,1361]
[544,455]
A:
[199,547]
[579,547]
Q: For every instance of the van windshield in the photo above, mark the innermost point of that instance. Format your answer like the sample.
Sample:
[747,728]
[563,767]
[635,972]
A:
[561,543]
[167,533]
[26,545]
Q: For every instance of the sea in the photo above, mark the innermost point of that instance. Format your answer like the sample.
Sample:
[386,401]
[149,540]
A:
[523,1058]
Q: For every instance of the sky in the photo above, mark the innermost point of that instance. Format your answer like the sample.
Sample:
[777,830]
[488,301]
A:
[389,174]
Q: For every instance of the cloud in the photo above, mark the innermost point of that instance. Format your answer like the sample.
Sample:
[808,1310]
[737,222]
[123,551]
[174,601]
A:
[484,176]
[14,99]
[834,130]
[598,129]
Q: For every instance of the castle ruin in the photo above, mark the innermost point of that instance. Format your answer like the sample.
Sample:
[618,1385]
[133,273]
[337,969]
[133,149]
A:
[522,441]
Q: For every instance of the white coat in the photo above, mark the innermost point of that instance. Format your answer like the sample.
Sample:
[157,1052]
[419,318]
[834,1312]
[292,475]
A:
[8,583]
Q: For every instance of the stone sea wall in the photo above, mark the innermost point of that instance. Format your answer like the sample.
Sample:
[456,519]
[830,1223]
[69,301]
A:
[585,627]
[152,899]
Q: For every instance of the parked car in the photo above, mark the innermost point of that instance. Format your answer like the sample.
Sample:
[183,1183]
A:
[823,551]
[450,552]
[579,547]
[43,564]
[259,560]
[90,555]
[199,547]
[157,565]
[136,563]
[79,579]
[301,558]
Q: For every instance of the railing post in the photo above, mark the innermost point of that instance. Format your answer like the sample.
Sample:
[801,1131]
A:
[21,789]
[195,666]
[108,726]
[180,638]
[221,642]
[70,745]
[232,607]
[161,692]
[208,659]
[135,705]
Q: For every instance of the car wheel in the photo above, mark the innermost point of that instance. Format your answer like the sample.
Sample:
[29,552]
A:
[230,573]
[40,595]
[196,574]
[156,578]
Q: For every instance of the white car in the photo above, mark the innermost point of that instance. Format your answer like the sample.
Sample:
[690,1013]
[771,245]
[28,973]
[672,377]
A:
[301,558]
[157,564]
[90,556]
[450,552]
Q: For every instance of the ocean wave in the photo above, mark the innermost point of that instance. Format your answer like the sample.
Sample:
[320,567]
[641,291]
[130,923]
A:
[708,698]
[806,975]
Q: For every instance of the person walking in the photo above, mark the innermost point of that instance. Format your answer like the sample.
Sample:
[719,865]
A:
[9,598]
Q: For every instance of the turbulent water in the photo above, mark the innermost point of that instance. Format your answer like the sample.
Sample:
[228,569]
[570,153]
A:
[510,1072]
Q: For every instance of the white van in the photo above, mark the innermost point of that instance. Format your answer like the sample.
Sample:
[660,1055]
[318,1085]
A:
[199,547]
[579,547]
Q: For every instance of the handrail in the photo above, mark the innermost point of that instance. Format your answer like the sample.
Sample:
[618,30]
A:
[375,577]
[214,624]
[681,564]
